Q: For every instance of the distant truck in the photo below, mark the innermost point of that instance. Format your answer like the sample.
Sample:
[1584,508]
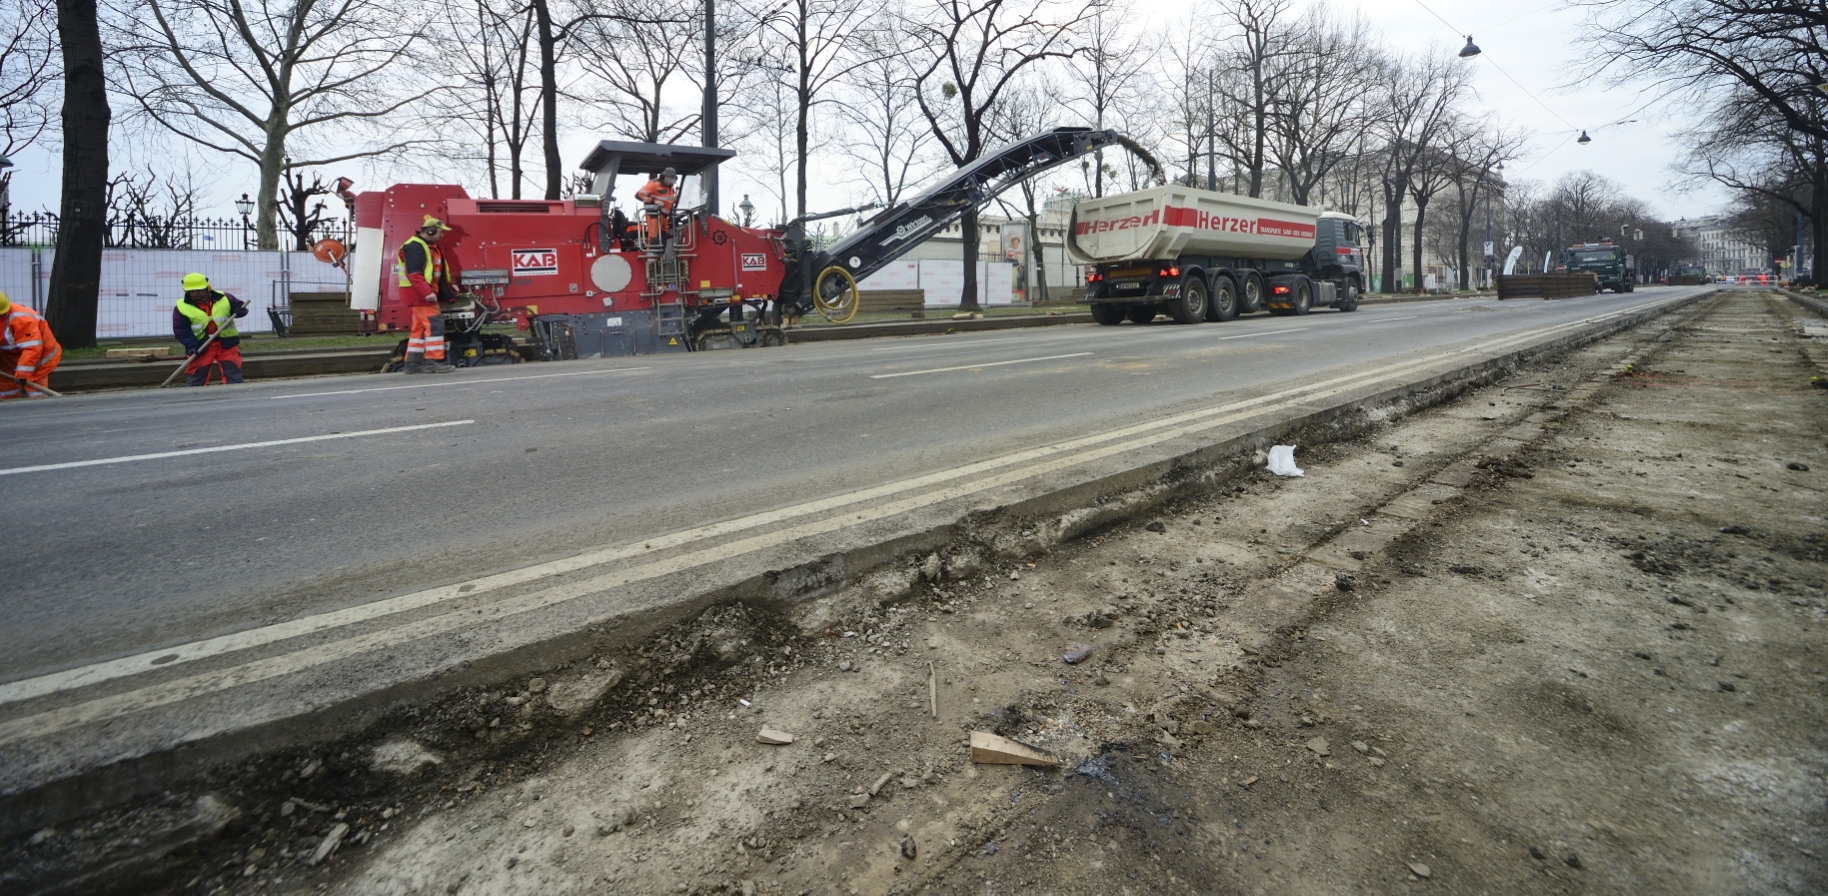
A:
[1690,275]
[1611,265]
[1198,255]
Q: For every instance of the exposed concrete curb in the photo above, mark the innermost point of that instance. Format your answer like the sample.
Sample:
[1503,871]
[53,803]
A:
[1810,302]
[92,376]
[929,327]
[77,770]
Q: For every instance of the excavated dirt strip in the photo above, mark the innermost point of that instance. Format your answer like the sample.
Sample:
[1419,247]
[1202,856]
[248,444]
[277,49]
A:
[1562,635]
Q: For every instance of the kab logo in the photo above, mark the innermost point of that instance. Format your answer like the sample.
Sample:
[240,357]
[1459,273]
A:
[755,261]
[535,262]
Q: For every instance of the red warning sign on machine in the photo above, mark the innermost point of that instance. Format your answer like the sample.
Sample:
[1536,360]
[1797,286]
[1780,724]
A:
[535,262]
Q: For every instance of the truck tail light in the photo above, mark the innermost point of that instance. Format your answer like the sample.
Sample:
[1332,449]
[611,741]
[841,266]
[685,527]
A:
[1171,272]
[1280,290]
[1093,277]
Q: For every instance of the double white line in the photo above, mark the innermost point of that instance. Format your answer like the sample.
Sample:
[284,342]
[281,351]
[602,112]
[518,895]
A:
[875,503]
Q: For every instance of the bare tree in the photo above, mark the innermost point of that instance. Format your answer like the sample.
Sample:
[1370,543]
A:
[28,84]
[82,231]
[1723,56]
[1417,99]
[1321,90]
[148,210]
[1250,77]
[896,147]
[1112,73]
[1476,157]
[492,91]
[634,78]
[268,80]
[966,53]
[1027,110]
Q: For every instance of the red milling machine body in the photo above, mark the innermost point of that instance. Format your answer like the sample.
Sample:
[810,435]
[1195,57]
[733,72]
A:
[577,273]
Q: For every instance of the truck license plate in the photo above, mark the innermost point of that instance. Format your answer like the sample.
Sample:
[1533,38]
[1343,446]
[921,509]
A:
[1129,285]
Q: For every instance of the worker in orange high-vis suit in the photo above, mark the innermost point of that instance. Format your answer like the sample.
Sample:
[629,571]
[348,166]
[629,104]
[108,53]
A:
[658,199]
[423,283]
[28,352]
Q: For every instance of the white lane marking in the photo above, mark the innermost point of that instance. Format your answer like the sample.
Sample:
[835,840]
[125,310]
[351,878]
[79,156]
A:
[1050,457]
[1032,462]
[885,376]
[1385,320]
[217,448]
[498,379]
[947,343]
[1264,333]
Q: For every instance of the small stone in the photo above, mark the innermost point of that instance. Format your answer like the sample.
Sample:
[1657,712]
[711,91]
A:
[1398,463]
[845,666]
[1727,686]
[513,861]
[1253,724]
[908,850]
[1343,582]
[310,768]
[1537,853]
[1734,530]
[1156,526]
[1800,468]
[771,736]
[1360,746]
[829,757]
[402,757]
[1319,746]
[859,800]
[604,830]
[536,686]
[1201,727]
[1573,860]
[1422,871]
[329,844]
[748,888]
[47,833]
[569,830]
[1306,721]
[1077,653]
[1376,762]
[287,808]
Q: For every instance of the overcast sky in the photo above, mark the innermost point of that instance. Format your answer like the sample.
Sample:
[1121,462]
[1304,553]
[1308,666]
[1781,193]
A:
[1529,40]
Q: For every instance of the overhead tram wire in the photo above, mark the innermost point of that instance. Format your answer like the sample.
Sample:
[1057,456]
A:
[1500,68]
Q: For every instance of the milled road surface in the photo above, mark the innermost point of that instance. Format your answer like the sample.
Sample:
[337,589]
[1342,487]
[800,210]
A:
[493,469]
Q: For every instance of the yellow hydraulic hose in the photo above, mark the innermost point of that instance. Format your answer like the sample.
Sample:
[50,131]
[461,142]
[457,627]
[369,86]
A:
[843,307]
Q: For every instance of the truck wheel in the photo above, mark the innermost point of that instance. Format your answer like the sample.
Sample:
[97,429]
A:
[1141,314]
[1250,294]
[1190,308]
[1350,302]
[1223,305]
[1107,314]
[1304,296]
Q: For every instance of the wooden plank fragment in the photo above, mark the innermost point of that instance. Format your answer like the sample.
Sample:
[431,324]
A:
[993,750]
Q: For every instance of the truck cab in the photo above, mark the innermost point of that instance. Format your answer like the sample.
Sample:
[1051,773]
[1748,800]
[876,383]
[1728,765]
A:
[1610,264]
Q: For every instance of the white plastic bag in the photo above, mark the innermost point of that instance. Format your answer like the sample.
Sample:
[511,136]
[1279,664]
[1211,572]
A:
[1282,461]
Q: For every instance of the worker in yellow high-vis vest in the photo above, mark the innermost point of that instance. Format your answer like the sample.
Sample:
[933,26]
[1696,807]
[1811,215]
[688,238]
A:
[205,311]
[423,283]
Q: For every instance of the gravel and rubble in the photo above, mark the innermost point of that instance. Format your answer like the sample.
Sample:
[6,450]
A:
[1564,634]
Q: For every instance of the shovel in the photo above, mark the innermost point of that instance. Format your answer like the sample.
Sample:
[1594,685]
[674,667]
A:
[31,385]
[199,351]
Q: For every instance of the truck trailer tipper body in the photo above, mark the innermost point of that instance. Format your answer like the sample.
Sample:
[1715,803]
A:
[1198,255]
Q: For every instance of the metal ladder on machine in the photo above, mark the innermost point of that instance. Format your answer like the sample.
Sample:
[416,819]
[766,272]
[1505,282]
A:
[892,233]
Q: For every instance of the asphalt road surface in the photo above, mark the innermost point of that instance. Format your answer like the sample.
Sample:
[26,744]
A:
[143,519]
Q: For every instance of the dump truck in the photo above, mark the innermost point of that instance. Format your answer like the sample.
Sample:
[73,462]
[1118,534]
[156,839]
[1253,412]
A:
[1198,255]
[1610,264]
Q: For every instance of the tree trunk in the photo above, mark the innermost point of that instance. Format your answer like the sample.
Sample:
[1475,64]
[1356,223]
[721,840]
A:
[549,99]
[1818,218]
[82,224]
[968,229]
[803,111]
[1393,241]
[272,168]
[1421,214]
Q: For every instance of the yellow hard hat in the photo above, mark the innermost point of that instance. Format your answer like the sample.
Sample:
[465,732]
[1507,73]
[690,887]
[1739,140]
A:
[432,221]
[6,304]
[195,281]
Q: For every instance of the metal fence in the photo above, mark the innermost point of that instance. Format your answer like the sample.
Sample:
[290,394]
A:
[147,232]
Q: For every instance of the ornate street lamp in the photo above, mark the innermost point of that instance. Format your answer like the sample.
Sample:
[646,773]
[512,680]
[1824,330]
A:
[1471,49]
[747,208]
[245,206]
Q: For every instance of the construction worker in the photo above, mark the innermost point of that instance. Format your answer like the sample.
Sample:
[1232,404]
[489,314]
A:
[423,283]
[205,311]
[658,199]
[28,352]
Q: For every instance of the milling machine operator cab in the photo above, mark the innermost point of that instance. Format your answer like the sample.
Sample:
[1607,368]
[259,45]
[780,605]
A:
[641,162]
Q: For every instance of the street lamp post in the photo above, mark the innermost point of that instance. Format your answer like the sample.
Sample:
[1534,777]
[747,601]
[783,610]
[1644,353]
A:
[245,206]
[747,208]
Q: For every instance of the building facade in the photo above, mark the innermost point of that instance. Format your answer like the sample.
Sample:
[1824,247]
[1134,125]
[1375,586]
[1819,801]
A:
[1723,249]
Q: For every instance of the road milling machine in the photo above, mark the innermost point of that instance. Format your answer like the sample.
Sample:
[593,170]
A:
[587,281]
